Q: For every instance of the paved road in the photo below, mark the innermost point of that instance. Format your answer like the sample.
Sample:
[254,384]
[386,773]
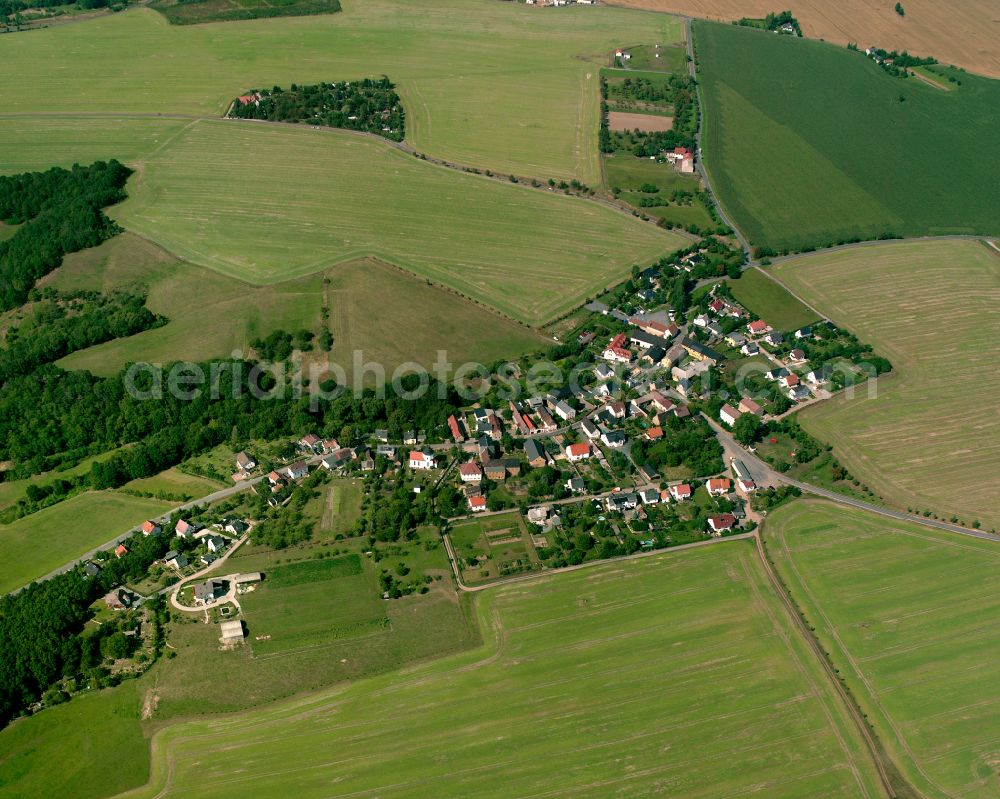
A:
[759,467]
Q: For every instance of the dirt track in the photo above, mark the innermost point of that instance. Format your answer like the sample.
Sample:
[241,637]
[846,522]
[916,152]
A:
[966,33]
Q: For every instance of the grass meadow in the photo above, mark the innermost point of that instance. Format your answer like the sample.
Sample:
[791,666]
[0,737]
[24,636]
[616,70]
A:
[530,254]
[850,150]
[389,315]
[35,545]
[909,617]
[90,748]
[930,440]
[591,682]
[493,85]
[771,301]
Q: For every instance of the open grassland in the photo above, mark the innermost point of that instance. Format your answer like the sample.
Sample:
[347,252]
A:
[771,301]
[487,84]
[173,483]
[909,617]
[530,254]
[89,748]
[393,317]
[606,672]
[813,184]
[930,440]
[389,315]
[35,545]
[960,32]
[300,605]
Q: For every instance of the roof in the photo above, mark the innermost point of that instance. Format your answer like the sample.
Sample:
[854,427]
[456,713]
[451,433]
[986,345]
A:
[231,629]
[723,520]
[469,469]
[578,449]
[477,502]
[148,526]
[719,484]
[532,450]
[684,489]
[757,325]
[654,433]
[298,466]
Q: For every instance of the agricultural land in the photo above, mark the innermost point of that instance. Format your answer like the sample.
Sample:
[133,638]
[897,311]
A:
[907,615]
[813,186]
[34,545]
[692,631]
[930,439]
[960,33]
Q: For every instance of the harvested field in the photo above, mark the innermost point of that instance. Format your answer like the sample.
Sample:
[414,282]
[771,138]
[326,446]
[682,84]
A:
[623,120]
[930,440]
[961,33]
[676,671]
[908,615]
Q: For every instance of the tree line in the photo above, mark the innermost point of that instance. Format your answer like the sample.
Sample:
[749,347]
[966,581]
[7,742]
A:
[60,211]
[60,324]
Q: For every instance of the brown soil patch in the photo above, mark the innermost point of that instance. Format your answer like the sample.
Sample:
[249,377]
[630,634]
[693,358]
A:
[622,120]
[965,33]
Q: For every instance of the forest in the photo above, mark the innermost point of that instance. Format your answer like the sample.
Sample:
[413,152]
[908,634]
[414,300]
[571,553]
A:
[369,105]
[60,211]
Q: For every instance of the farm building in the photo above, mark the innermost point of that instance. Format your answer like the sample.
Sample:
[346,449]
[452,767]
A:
[231,631]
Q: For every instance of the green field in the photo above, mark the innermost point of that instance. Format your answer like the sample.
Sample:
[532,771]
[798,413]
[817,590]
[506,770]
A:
[930,440]
[389,315]
[810,144]
[530,254]
[487,84]
[678,673]
[65,750]
[303,604]
[35,545]
[909,617]
[770,301]
[174,483]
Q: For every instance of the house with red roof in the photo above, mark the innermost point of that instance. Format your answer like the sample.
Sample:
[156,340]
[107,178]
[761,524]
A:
[578,452]
[421,460]
[758,328]
[719,486]
[680,492]
[151,528]
[470,472]
[456,430]
[722,522]
[747,405]
[729,414]
[477,504]
[121,550]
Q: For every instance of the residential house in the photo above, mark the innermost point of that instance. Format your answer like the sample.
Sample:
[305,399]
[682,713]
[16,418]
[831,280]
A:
[151,528]
[774,338]
[702,321]
[820,375]
[660,402]
[578,452]
[409,437]
[495,470]
[310,442]
[798,393]
[644,340]
[186,529]
[803,332]
[714,328]
[534,454]
[617,410]
[91,569]
[603,372]
[382,435]
[789,381]
[209,591]
[564,411]
[680,492]
[729,414]
[590,430]
[777,374]
[121,551]
[653,433]
[622,501]
[649,496]
[747,405]
[576,485]
[719,486]
[758,327]
[456,429]
[385,451]
[540,515]
[422,460]
[797,356]
[546,423]
[614,438]
[215,543]
[700,352]
[470,472]
[245,462]
[234,526]
[477,504]
[296,471]
[119,599]
[175,560]
[746,486]
[750,349]
[722,522]
[735,339]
